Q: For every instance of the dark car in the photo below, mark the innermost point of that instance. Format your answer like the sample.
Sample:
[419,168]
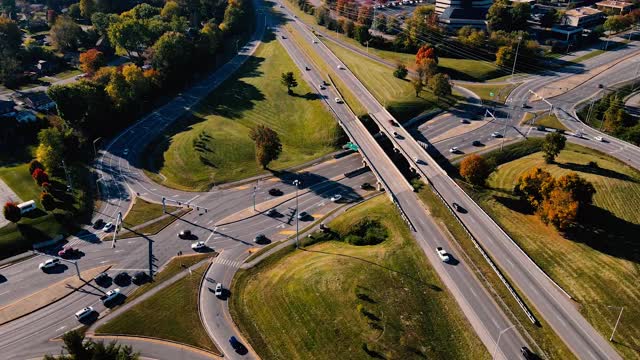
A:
[184,234]
[541,128]
[259,239]
[98,224]
[102,278]
[237,345]
[526,353]
[365,186]
[140,278]
[272,212]
[67,252]
[307,68]
[476,143]
[456,207]
[275,192]
[122,278]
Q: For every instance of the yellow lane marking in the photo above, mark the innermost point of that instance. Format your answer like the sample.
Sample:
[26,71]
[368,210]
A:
[315,216]
[242,187]
[287,232]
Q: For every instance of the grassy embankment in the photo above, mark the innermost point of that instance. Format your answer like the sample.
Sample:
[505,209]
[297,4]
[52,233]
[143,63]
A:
[212,145]
[550,121]
[372,300]
[500,92]
[599,263]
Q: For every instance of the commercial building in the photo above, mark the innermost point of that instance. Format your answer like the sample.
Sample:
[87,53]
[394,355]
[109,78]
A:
[585,17]
[454,14]
[614,7]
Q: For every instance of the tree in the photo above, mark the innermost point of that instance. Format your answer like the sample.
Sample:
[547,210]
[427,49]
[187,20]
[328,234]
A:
[401,71]
[393,25]
[33,165]
[47,201]
[471,36]
[51,148]
[40,176]
[129,36]
[559,209]
[580,189]
[549,18]
[8,7]
[505,55]
[10,42]
[520,13]
[440,85]
[475,169]
[380,23]
[11,212]
[615,23]
[426,52]
[74,11]
[553,143]
[83,105]
[80,349]
[91,60]
[361,34]
[101,22]
[365,15]
[10,35]
[87,8]
[66,34]
[288,79]
[533,186]
[170,10]
[418,86]
[267,144]
[172,54]
[499,16]
[426,69]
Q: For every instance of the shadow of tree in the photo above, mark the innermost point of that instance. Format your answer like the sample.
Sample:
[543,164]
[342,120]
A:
[585,168]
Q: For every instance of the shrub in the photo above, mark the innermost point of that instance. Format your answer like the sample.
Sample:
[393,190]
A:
[35,164]
[11,212]
[47,201]
[366,232]
[40,176]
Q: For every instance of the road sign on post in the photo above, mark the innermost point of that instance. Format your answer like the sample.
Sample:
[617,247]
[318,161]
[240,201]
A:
[491,93]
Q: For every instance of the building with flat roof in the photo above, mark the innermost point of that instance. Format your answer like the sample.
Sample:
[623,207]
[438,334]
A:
[613,6]
[585,17]
[455,14]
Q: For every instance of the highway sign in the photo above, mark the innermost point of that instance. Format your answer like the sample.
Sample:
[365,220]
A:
[352,146]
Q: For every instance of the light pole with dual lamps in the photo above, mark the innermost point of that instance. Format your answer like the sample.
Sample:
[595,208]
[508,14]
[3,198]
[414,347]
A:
[296,183]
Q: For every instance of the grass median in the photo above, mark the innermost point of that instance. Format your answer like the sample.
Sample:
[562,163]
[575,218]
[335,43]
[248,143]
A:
[550,121]
[367,301]
[492,93]
[212,145]
[598,262]
[171,314]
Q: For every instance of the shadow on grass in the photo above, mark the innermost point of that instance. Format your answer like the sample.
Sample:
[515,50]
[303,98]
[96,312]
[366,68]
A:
[585,168]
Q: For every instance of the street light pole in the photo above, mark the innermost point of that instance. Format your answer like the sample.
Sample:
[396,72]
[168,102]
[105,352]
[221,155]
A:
[513,70]
[616,326]
[255,188]
[495,350]
[95,153]
[296,182]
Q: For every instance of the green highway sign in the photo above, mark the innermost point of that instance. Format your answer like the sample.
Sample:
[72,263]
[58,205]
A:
[491,93]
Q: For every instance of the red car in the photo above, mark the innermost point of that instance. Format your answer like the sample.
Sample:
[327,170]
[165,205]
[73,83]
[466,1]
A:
[66,251]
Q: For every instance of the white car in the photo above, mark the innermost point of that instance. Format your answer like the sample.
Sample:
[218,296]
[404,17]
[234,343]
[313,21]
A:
[198,245]
[48,264]
[315,41]
[336,198]
[340,67]
[454,150]
[496,134]
[84,312]
[442,254]
[321,87]
[338,100]
[218,290]
[110,295]
[599,138]
[108,227]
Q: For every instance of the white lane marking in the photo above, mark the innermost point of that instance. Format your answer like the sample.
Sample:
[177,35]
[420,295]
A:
[61,328]
[104,261]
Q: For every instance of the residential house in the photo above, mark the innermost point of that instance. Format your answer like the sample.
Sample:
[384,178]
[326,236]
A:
[39,101]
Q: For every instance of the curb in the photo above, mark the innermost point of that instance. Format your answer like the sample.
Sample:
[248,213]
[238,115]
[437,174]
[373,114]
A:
[140,337]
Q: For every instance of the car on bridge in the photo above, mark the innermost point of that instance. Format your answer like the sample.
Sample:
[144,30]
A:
[108,227]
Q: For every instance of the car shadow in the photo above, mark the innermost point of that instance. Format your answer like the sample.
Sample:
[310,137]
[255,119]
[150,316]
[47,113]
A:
[58,269]
[118,300]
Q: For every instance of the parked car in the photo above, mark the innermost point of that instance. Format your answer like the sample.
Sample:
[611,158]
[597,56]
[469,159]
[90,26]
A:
[260,238]
[48,264]
[336,198]
[442,254]
[84,313]
[218,291]
[275,192]
[66,251]
[184,234]
[199,245]
[110,295]
[454,150]
[98,224]
[108,227]
[302,215]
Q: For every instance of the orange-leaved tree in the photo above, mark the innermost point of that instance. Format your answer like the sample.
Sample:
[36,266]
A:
[475,169]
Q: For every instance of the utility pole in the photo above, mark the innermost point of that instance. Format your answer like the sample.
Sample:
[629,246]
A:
[164,205]
[296,183]
[69,184]
[513,70]
[115,231]
[504,132]
[616,326]
[255,188]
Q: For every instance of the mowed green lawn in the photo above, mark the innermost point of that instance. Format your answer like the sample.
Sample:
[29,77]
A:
[397,95]
[213,146]
[500,91]
[143,211]
[600,266]
[333,298]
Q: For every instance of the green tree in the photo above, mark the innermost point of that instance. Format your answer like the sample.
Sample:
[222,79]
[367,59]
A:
[172,54]
[361,34]
[418,86]
[380,23]
[505,56]
[616,23]
[80,348]
[170,10]
[288,79]
[47,201]
[8,7]
[74,11]
[87,8]
[101,22]
[267,144]
[66,34]
[553,143]
[11,212]
[50,151]
[83,105]
[520,14]
[440,85]
[401,71]
[10,41]
[210,39]
[475,169]
[129,36]
[499,16]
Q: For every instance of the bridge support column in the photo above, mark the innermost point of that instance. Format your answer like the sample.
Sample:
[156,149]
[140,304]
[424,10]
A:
[379,186]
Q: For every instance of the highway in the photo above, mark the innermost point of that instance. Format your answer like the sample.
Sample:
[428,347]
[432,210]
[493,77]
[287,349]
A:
[485,316]
[554,306]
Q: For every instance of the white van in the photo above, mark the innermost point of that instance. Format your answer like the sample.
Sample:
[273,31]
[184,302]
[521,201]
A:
[84,312]
[27,206]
